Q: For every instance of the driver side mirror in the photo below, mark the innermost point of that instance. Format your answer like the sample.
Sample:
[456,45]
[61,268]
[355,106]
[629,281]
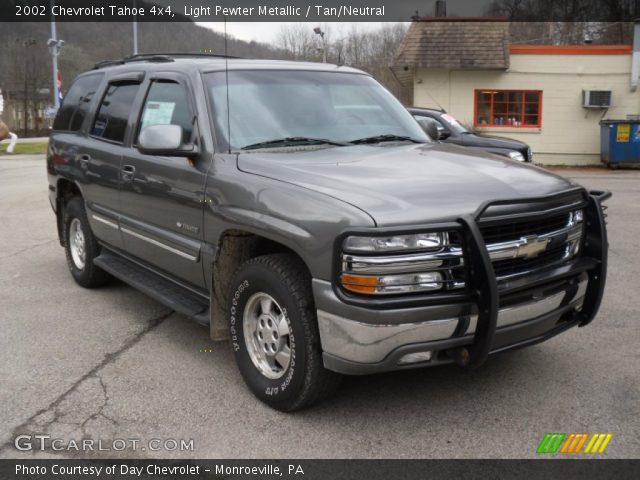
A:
[443,133]
[430,128]
[164,140]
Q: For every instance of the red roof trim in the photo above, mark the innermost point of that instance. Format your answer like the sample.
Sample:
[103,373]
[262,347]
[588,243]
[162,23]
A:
[570,49]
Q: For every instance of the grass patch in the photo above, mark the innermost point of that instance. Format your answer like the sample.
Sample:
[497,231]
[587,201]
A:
[24,148]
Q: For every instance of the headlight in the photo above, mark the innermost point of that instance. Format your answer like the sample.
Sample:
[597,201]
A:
[576,217]
[420,241]
[516,156]
[400,264]
[574,237]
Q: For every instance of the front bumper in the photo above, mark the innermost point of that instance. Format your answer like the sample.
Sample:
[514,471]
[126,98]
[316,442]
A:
[360,340]
[357,347]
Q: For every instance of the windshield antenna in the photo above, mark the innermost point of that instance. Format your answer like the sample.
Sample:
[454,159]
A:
[226,73]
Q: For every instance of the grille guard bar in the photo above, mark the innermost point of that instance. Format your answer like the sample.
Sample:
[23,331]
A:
[483,283]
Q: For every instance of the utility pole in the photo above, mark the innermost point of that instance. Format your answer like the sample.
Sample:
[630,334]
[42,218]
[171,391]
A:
[135,29]
[318,31]
[55,46]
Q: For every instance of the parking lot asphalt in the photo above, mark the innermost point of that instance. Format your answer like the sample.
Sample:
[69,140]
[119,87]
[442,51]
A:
[113,364]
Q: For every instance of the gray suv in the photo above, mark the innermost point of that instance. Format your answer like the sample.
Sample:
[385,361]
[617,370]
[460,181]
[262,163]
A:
[299,210]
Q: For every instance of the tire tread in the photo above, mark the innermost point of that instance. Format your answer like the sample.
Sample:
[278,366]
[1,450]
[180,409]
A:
[319,383]
[92,276]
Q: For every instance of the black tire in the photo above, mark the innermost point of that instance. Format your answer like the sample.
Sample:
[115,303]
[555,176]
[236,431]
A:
[89,276]
[285,278]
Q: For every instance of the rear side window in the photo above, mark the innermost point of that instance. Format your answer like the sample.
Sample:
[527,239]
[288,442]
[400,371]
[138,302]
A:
[113,114]
[75,105]
[167,104]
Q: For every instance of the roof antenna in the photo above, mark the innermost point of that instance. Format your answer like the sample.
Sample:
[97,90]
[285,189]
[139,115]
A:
[226,73]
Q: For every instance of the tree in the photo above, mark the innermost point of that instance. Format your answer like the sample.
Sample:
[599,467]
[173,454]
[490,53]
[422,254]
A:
[371,51]
[25,76]
[559,22]
[298,41]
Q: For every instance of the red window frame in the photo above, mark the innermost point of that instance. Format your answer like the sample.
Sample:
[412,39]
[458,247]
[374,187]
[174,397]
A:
[520,118]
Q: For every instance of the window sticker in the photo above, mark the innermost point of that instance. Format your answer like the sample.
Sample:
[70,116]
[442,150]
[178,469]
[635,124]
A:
[158,113]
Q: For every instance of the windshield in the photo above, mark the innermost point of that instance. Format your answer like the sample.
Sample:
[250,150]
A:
[336,107]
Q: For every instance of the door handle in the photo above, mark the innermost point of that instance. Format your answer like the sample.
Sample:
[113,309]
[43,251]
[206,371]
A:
[83,161]
[128,171]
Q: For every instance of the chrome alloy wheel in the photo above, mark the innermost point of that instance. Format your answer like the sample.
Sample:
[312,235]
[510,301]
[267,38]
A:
[77,244]
[266,335]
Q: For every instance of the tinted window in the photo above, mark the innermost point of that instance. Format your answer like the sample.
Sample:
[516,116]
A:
[167,104]
[75,104]
[112,117]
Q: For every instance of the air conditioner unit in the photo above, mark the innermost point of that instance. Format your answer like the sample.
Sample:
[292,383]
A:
[596,98]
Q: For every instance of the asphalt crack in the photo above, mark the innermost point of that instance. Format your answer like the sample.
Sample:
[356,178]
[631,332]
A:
[53,412]
[100,412]
[26,249]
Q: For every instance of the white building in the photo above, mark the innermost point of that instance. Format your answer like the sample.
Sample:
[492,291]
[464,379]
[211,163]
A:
[533,93]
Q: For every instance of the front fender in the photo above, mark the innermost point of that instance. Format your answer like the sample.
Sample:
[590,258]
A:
[303,220]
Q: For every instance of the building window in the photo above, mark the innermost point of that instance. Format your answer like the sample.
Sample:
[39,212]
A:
[508,108]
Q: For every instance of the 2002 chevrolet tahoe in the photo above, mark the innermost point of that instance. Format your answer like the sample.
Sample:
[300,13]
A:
[301,207]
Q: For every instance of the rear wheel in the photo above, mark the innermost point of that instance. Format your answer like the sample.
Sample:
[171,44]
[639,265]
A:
[274,333]
[81,247]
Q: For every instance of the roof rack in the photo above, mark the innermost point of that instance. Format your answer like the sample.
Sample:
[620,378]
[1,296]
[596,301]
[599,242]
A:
[157,58]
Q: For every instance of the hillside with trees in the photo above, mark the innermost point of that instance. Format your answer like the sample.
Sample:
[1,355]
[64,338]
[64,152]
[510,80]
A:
[25,63]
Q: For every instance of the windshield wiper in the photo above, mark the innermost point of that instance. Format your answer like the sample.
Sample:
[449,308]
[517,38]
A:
[384,138]
[293,141]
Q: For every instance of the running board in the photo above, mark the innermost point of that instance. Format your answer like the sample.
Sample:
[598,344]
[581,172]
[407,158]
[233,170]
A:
[161,289]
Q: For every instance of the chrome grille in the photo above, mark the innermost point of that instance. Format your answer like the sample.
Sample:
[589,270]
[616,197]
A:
[559,237]
[516,230]
[508,268]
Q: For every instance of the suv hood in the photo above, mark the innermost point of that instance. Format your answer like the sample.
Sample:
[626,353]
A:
[475,140]
[407,184]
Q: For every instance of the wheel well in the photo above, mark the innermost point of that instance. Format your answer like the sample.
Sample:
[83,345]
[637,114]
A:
[65,190]
[234,248]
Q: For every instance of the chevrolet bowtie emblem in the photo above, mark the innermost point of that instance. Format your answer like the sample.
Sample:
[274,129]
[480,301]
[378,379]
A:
[531,246]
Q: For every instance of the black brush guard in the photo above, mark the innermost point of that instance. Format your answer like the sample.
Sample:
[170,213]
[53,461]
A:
[484,287]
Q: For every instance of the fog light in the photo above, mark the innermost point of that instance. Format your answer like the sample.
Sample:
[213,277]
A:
[415,358]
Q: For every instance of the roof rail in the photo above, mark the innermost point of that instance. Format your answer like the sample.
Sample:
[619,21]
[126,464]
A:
[156,58]
[183,54]
[107,63]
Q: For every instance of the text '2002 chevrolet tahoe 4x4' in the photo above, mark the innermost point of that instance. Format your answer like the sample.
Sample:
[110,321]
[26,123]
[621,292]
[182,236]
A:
[301,210]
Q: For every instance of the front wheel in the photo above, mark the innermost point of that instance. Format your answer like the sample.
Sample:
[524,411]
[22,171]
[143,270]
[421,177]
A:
[274,333]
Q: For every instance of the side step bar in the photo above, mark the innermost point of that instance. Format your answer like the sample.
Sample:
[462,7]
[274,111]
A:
[164,291]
